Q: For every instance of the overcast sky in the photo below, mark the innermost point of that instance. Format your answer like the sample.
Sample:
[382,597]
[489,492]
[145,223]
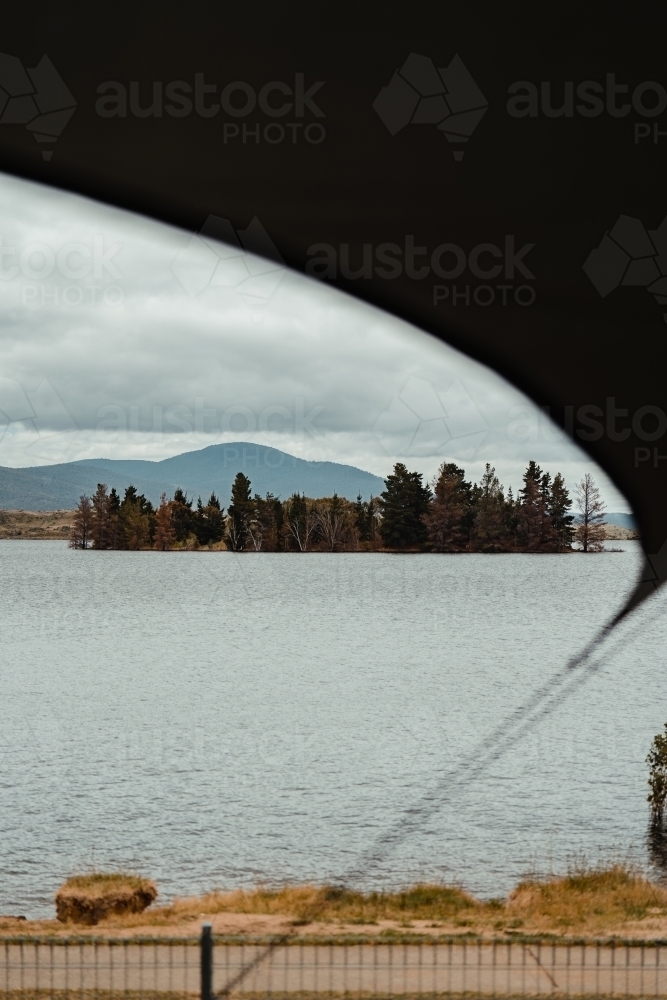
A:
[124,338]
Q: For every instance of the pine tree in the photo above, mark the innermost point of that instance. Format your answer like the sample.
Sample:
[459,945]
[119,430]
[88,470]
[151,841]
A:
[361,518]
[535,531]
[182,515]
[444,518]
[590,531]
[113,509]
[210,521]
[199,526]
[405,501]
[164,535]
[135,520]
[100,518]
[489,528]
[511,520]
[364,520]
[374,519]
[275,508]
[559,512]
[80,535]
[239,513]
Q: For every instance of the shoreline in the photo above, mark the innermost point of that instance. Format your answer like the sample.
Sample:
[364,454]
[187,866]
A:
[615,902]
[56,525]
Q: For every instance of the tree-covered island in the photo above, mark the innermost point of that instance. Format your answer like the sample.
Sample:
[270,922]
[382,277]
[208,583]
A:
[448,515]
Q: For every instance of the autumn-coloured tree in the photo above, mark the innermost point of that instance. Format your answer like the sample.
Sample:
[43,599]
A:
[135,520]
[80,535]
[535,531]
[489,532]
[445,515]
[164,535]
[590,531]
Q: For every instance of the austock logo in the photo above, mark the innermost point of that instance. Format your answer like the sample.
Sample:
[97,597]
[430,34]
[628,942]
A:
[218,256]
[236,100]
[629,256]
[421,94]
[449,261]
[422,420]
[41,415]
[40,273]
[36,98]
[591,99]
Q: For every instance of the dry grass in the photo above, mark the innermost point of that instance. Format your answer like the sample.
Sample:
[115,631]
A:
[587,900]
[308,903]
[87,899]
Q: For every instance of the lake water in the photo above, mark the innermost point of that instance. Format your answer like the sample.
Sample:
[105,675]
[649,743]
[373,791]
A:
[213,719]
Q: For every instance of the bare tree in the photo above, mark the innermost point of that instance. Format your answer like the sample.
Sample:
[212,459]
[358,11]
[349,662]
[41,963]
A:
[590,531]
[82,524]
[333,522]
[301,520]
[256,526]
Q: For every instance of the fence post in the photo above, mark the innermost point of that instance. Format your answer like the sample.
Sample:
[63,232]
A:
[206,962]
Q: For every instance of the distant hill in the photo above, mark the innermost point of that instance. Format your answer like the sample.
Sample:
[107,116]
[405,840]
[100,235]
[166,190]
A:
[621,520]
[618,519]
[199,473]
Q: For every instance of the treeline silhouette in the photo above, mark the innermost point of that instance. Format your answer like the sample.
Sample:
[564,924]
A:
[448,515]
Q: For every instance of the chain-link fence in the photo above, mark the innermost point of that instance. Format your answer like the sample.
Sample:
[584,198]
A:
[161,968]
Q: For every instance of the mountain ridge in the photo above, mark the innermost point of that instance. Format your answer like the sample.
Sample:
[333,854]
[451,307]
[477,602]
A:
[199,473]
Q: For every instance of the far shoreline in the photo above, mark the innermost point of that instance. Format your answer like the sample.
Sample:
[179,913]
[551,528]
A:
[56,525]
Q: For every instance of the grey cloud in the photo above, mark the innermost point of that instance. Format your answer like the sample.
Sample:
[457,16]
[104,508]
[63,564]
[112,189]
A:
[161,365]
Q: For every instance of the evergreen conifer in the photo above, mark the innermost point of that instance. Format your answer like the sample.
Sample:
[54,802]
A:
[559,512]
[100,517]
[239,513]
[444,517]
[405,501]
[182,515]
[489,527]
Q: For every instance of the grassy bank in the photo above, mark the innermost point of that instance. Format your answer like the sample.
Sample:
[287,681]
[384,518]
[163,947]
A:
[587,901]
[36,525]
